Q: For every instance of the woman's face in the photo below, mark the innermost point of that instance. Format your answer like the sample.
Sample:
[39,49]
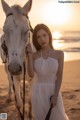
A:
[43,38]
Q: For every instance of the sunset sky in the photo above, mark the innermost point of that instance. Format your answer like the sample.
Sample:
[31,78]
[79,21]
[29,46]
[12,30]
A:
[57,16]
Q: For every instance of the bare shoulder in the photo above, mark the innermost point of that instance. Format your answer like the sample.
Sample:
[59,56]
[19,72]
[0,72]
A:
[59,54]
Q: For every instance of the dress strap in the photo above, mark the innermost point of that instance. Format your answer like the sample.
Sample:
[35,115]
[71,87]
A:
[41,53]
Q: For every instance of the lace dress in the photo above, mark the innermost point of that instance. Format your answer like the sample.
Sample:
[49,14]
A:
[43,88]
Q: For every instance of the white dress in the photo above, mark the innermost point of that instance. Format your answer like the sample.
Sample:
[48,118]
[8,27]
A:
[43,88]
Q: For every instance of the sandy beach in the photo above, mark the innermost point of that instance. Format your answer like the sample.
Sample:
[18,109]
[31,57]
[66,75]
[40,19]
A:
[70,91]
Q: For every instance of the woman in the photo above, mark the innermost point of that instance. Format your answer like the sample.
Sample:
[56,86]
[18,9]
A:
[46,68]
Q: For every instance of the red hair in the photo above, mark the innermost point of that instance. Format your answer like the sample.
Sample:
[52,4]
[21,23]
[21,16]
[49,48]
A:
[36,29]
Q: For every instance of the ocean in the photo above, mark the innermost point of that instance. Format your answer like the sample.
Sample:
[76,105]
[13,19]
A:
[69,44]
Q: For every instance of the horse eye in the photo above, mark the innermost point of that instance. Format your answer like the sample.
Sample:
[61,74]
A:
[25,33]
[6,31]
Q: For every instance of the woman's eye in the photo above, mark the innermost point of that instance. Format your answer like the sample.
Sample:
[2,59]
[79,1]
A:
[38,37]
[44,35]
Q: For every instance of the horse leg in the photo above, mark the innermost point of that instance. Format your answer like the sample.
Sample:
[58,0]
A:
[8,99]
[17,85]
[18,97]
[19,101]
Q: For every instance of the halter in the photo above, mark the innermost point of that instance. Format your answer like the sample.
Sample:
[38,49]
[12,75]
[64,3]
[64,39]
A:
[30,30]
[24,72]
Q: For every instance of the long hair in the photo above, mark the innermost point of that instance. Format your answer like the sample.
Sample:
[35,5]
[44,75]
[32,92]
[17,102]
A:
[36,29]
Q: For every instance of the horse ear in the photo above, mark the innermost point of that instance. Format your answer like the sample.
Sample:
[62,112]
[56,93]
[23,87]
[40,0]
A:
[5,6]
[27,7]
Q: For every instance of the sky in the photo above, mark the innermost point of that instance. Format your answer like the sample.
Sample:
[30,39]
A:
[56,15]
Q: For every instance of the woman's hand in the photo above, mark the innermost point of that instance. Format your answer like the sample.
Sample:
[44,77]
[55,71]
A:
[29,53]
[28,49]
[53,100]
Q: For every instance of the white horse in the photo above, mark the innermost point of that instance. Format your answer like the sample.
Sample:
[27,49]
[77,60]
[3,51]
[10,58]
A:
[16,28]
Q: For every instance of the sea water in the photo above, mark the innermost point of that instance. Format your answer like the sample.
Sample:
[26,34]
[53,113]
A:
[70,45]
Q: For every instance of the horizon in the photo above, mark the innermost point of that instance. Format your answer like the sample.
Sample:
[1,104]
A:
[67,31]
[57,16]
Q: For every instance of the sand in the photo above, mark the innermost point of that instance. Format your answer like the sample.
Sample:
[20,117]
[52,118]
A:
[70,91]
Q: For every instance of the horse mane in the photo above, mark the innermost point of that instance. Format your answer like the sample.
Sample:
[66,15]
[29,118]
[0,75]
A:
[17,10]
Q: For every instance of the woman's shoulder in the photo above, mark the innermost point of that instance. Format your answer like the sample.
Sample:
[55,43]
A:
[58,53]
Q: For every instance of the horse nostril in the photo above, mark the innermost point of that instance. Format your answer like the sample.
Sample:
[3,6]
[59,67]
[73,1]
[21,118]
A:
[15,69]
[14,54]
[9,67]
[20,68]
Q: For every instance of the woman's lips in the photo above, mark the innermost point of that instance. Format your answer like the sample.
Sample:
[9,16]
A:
[43,43]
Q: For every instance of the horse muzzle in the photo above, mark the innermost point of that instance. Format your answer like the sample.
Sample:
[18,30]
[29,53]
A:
[14,68]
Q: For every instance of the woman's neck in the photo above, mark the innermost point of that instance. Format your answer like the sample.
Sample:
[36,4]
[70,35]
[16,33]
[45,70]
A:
[46,48]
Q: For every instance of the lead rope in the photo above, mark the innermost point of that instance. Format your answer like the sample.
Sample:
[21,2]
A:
[24,89]
[24,73]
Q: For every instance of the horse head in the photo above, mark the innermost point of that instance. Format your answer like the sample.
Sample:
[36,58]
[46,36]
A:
[16,28]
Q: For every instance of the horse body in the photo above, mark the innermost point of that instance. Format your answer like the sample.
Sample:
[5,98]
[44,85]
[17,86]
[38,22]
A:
[16,29]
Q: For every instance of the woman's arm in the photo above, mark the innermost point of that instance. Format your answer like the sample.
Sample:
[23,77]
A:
[59,73]
[59,78]
[30,61]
